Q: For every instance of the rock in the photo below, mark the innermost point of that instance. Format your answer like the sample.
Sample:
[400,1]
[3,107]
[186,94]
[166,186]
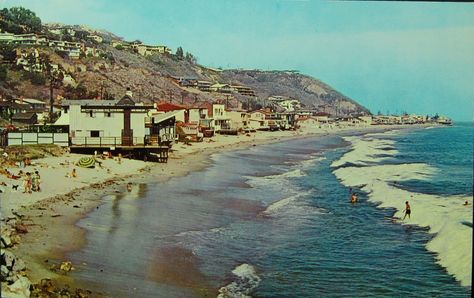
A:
[19,265]
[12,278]
[6,241]
[19,289]
[22,229]
[4,272]
[9,259]
[66,266]
[16,239]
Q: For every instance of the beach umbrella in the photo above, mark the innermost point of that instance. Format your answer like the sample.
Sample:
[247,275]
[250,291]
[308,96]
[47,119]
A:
[86,162]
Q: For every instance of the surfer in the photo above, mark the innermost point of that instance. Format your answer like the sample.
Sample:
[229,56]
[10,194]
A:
[407,210]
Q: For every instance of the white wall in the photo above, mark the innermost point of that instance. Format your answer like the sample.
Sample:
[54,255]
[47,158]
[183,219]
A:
[81,123]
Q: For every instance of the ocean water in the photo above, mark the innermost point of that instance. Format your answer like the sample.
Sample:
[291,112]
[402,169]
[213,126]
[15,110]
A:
[275,221]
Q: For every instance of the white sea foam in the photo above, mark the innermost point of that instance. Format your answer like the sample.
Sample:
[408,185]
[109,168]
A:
[366,151]
[246,280]
[281,181]
[443,215]
[310,162]
[292,205]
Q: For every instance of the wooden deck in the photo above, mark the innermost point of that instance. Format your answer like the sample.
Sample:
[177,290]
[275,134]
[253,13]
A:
[138,150]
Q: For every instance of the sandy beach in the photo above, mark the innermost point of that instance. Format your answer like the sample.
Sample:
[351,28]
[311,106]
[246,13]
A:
[49,216]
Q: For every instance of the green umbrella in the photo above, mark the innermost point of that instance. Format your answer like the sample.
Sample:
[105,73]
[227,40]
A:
[86,162]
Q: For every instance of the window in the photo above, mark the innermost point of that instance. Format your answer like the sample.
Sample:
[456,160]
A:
[95,133]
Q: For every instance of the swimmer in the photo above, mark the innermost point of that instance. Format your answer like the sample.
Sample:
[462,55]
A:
[354,198]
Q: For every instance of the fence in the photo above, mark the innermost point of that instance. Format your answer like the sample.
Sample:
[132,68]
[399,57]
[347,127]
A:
[35,138]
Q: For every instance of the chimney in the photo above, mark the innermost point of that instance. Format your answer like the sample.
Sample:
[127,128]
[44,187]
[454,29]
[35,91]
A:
[129,92]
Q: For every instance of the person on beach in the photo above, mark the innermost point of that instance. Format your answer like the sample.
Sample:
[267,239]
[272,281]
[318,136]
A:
[129,186]
[27,183]
[466,203]
[36,180]
[407,210]
[119,159]
[74,173]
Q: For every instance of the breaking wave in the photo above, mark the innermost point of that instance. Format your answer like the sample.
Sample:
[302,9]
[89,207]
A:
[444,215]
[244,282]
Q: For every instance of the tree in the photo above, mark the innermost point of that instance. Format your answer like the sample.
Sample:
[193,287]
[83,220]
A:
[55,78]
[3,74]
[19,20]
[179,53]
[8,52]
[190,58]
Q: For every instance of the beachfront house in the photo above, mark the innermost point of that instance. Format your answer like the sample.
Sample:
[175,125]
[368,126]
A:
[257,120]
[180,111]
[220,117]
[239,119]
[308,122]
[113,122]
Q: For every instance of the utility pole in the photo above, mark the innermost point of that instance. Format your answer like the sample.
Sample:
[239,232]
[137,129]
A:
[227,101]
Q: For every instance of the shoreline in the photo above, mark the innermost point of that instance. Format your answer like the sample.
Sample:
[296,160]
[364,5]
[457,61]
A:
[48,232]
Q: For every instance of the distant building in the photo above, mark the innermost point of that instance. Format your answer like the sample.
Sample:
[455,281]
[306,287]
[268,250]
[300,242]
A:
[95,38]
[204,86]
[222,88]
[244,90]
[25,118]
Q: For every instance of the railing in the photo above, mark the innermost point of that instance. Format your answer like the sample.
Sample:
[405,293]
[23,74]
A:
[33,138]
[121,141]
[107,141]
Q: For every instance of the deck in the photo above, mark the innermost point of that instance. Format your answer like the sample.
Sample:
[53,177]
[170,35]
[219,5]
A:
[134,147]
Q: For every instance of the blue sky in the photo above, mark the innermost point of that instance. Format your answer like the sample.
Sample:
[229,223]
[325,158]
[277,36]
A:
[389,56]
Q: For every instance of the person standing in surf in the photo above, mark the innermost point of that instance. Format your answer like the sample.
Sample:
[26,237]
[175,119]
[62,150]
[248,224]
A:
[354,198]
[407,210]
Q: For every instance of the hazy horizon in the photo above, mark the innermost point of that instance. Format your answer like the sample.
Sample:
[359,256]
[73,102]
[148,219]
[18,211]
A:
[388,56]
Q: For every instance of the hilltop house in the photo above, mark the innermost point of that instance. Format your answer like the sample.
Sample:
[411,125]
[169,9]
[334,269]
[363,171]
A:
[96,38]
[222,88]
[244,90]
[287,104]
[204,86]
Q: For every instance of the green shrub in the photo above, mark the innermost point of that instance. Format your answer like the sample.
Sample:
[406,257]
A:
[35,78]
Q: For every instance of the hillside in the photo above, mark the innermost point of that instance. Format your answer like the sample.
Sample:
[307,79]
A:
[103,69]
[313,93]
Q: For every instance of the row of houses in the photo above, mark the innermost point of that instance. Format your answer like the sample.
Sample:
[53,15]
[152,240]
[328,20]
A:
[72,49]
[138,46]
[141,48]
[207,86]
